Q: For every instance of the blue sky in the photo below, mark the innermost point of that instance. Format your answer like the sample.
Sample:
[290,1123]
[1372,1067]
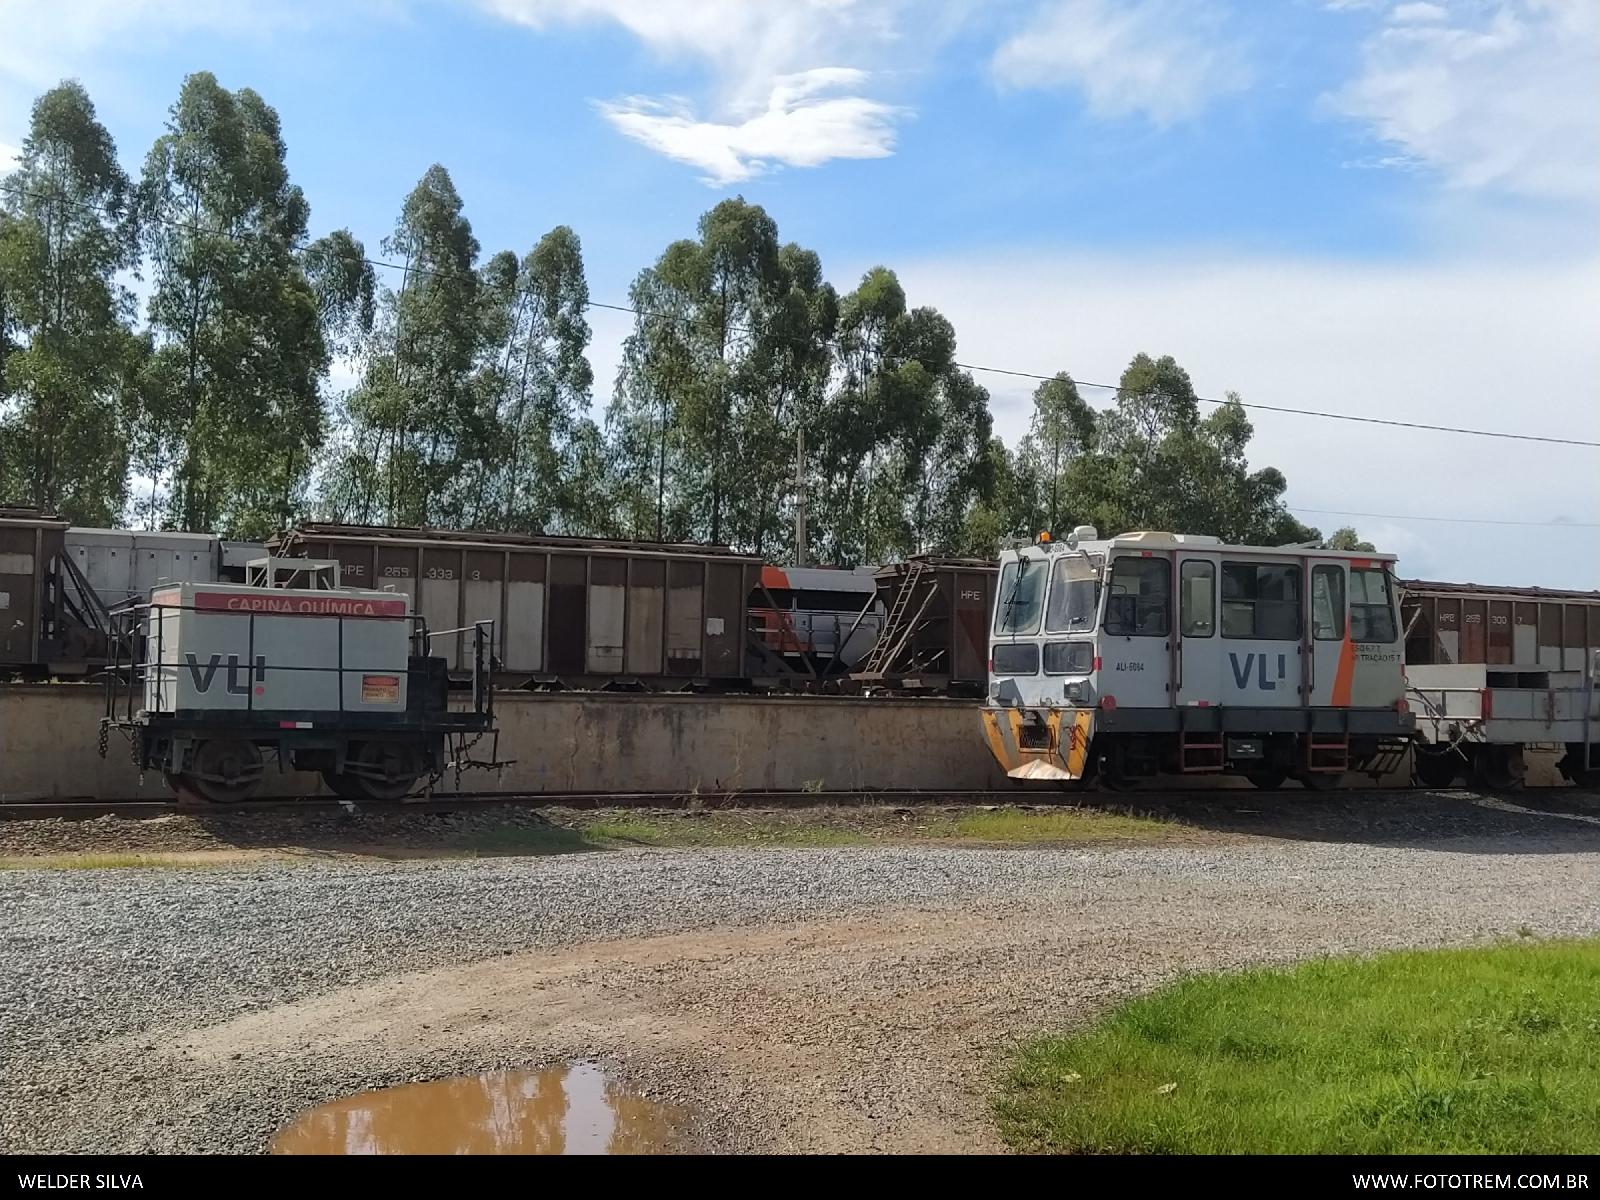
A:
[1370,206]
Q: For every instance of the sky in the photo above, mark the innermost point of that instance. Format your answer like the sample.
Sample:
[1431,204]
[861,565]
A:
[1385,208]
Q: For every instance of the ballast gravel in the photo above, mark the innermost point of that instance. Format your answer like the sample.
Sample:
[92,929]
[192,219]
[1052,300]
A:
[112,980]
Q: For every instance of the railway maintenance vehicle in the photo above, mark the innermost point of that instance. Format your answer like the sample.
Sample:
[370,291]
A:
[212,681]
[1154,653]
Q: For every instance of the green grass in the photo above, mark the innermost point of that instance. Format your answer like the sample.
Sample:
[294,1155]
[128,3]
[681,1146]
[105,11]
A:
[1467,1051]
[720,830]
[1062,825]
[94,862]
[861,827]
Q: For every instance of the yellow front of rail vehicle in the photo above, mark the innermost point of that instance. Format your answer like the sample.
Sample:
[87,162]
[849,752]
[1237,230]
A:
[1153,654]
[1051,745]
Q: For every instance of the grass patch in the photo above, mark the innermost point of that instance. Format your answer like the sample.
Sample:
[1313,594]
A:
[95,862]
[867,826]
[718,830]
[1060,825]
[1491,1050]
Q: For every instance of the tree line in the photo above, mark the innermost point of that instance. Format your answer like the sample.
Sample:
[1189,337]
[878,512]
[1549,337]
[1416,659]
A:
[746,383]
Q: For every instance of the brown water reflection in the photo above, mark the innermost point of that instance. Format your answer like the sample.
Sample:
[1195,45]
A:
[565,1110]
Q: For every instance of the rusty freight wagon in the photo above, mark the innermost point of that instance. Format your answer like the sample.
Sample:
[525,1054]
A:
[1510,630]
[935,632]
[574,612]
[51,622]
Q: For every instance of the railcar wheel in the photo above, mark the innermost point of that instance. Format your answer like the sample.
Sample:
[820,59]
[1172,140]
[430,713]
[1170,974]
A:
[183,790]
[1499,768]
[224,771]
[1267,780]
[1437,770]
[386,772]
[343,786]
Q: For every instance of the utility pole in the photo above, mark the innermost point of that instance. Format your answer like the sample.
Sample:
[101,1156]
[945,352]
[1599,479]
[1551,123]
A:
[661,462]
[1055,476]
[800,497]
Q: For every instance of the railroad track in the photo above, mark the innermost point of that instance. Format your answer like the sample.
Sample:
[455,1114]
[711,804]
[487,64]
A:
[90,809]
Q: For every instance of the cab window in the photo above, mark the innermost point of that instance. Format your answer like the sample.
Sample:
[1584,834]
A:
[1140,597]
[1371,606]
[1020,600]
[1261,601]
[1327,603]
[1015,658]
[1068,658]
[1074,595]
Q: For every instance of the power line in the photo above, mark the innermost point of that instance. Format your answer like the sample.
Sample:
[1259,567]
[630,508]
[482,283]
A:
[1312,412]
[835,343]
[1339,512]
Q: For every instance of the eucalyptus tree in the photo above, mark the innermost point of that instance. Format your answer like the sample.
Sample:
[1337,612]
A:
[69,360]
[420,401]
[643,424]
[1153,462]
[545,393]
[904,455]
[729,353]
[235,412]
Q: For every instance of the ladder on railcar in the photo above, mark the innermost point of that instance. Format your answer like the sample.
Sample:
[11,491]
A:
[903,621]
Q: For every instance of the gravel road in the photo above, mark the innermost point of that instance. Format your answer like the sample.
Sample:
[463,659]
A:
[813,1000]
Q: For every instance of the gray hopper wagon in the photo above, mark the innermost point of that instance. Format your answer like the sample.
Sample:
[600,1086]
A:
[580,613]
[224,678]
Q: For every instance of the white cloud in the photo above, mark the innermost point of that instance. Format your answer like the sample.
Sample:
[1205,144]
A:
[789,78]
[1166,59]
[800,127]
[1494,94]
[1480,344]
[9,155]
[1419,10]
[748,43]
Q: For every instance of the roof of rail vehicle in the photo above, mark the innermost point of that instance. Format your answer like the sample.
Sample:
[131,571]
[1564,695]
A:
[1156,540]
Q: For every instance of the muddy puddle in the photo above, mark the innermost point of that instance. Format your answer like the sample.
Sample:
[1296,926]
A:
[574,1109]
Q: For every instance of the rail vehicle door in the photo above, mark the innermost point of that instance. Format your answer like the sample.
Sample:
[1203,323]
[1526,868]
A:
[1328,634]
[1262,618]
[1136,632]
[1199,655]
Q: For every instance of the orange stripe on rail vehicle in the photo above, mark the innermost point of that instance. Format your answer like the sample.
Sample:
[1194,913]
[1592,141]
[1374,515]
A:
[1345,675]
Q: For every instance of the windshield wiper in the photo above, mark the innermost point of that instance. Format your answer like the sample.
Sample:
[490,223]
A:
[1016,586]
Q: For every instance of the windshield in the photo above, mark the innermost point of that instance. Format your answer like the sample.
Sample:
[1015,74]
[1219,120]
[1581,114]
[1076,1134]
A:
[1074,595]
[1021,597]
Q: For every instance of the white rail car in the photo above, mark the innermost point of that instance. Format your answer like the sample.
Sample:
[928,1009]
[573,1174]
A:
[1158,653]
[227,677]
[1477,721]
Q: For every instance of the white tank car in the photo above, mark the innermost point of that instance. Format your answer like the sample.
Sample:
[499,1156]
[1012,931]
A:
[1158,653]
[225,678]
[232,648]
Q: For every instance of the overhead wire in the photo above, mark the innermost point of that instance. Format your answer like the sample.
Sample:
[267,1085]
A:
[1339,512]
